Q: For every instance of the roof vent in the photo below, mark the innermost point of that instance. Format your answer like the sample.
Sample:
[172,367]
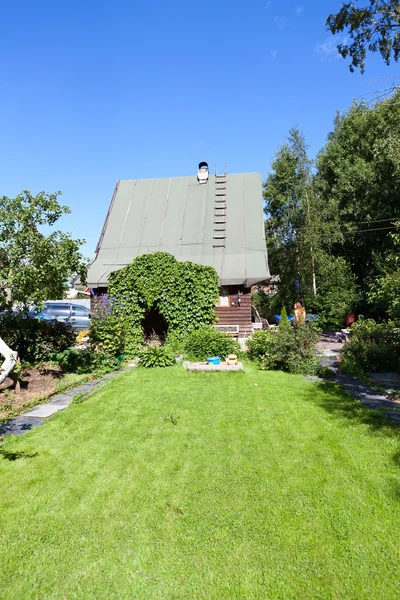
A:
[202,174]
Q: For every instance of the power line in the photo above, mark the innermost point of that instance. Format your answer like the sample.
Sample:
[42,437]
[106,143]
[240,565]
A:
[346,223]
[299,229]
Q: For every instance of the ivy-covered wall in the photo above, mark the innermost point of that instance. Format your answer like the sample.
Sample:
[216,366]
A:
[184,293]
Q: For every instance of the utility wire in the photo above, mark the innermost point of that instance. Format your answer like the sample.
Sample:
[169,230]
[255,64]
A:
[345,223]
[340,231]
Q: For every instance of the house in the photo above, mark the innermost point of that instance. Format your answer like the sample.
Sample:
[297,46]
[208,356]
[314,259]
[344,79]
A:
[214,220]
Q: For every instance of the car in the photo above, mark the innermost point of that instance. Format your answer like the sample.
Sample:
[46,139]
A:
[66,312]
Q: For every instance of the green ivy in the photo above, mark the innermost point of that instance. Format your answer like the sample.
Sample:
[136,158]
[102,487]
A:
[184,293]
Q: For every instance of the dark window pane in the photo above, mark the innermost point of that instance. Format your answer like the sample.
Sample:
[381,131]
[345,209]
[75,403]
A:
[58,310]
[79,311]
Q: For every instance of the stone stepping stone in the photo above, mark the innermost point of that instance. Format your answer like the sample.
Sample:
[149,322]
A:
[44,410]
[62,400]
[19,425]
[36,415]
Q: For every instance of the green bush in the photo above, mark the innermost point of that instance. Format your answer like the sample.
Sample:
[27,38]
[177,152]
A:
[203,343]
[337,292]
[107,332]
[156,356]
[260,344]
[290,348]
[35,340]
[372,347]
[175,342]
[87,360]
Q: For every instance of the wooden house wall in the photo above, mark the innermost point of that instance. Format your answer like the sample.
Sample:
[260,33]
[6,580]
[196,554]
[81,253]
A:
[238,313]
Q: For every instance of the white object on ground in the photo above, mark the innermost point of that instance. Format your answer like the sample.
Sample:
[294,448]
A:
[10,360]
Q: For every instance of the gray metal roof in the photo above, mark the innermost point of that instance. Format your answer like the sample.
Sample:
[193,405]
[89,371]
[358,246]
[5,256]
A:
[176,215]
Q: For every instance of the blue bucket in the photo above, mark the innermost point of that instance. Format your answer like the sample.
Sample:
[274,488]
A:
[214,360]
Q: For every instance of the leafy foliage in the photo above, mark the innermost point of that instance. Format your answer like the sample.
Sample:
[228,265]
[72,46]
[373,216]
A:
[267,305]
[291,348]
[34,266]
[289,208]
[107,331]
[337,291]
[373,28]
[156,356]
[373,347]
[35,340]
[328,231]
[203,343]
[384,293]
[300,231]
[175,342]
[91,361]
[359,176]
[259,344]
[184,293]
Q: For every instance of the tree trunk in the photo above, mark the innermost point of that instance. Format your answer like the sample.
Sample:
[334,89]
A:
[10,360]
[314,279]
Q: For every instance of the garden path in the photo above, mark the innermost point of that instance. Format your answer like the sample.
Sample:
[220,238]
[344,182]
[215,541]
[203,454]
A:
[35,416]
[329,350]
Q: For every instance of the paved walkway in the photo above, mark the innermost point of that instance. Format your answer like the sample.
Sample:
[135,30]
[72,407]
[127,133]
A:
[329,349]
[35,416]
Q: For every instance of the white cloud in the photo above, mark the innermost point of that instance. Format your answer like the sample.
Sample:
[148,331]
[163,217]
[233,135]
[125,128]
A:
[268,3]
[280,22]
[200,143]
[327,49]
[273,53]
[299,10]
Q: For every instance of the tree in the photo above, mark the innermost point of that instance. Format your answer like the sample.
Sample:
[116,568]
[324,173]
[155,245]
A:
[285,193]
[358,174]
[34,266]
[301,229]
[295,219]
[384,293]
[374,27]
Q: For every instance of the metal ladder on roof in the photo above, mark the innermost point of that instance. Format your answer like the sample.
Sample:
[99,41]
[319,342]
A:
[219,234]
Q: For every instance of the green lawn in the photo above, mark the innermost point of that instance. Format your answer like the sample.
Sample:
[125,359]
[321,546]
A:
[268,486]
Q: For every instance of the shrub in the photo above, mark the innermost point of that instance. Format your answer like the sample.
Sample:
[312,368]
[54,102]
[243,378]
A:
[206,342]
[175,342]
[107,332]
[156,356]
[337,292]
[73,360]
[260,343]
[372,347]
[35,340]
[291,348]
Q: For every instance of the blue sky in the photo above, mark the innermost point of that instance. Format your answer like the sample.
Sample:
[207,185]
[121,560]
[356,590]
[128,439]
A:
[96,91]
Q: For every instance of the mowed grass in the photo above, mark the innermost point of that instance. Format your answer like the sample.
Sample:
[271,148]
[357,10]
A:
[168,484]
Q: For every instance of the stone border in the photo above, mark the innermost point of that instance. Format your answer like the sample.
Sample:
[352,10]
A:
[204,366]
[36,415]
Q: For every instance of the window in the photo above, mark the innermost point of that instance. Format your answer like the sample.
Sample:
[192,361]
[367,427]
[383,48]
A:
[57,310]
[224,298]
[79,311]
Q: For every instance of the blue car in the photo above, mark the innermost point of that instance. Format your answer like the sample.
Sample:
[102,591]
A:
[65,312]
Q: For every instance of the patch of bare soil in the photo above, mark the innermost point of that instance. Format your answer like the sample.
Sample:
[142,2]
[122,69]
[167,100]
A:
[35,384]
